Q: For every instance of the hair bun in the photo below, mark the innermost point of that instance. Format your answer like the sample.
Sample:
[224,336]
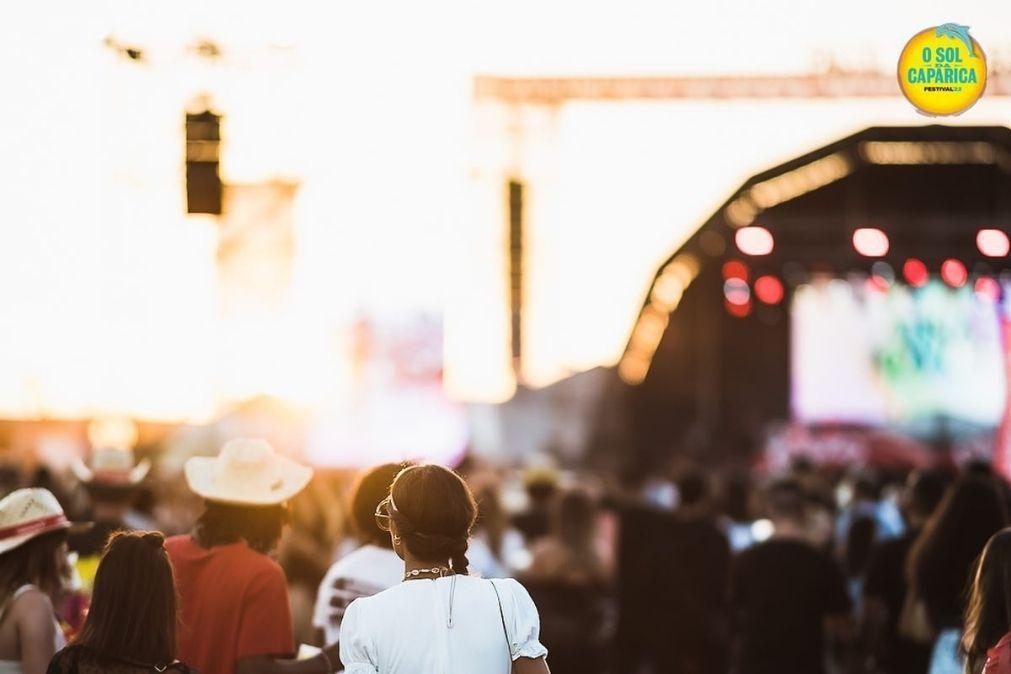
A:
[155,539]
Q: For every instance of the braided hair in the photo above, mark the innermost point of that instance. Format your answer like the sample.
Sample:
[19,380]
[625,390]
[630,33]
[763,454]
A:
[434,513]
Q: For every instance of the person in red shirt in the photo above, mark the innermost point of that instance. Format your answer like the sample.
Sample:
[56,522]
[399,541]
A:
[234,611]
[986,639]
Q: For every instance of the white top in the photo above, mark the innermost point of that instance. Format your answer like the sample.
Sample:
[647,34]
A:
[361,573]
[404,630]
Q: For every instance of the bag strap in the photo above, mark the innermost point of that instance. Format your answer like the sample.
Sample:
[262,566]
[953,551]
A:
[505,632]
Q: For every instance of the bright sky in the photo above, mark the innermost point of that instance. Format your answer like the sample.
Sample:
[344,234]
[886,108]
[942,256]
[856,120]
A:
[108,290]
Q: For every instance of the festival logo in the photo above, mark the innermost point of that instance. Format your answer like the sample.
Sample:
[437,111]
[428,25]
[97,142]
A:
[942,70]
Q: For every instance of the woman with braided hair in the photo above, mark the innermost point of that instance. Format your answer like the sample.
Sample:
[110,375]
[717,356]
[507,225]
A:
[439,619]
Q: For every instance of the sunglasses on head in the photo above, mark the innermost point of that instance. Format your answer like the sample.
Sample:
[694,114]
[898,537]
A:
[383,513]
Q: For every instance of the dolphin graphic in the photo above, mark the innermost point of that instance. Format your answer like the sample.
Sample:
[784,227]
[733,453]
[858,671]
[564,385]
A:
[958,32]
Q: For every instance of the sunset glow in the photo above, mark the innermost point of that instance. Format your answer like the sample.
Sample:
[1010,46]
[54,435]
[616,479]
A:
[112,303]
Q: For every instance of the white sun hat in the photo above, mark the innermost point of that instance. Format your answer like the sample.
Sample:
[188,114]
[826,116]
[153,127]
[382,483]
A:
[247,471]
[28,513]
[111,466]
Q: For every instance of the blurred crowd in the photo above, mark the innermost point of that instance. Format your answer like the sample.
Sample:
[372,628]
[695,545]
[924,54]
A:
[697,570]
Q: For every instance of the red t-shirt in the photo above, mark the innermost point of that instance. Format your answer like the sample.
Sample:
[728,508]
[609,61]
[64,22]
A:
[233,604]
[998,658]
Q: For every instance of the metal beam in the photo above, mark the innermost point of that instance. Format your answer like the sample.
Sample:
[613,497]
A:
[836,84]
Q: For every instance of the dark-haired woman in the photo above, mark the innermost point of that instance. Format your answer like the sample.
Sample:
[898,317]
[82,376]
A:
[439,619]
[987,638]
[33,571]
[131,625]
[973,509]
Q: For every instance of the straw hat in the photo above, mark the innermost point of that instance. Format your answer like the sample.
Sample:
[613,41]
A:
[246,472]
[111,467]
[26,514]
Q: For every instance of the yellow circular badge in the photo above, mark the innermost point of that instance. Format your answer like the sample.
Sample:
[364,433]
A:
[942,70]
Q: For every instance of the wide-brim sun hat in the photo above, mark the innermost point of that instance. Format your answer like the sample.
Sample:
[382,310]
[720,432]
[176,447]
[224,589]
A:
[247,471]
[111,467]
[29,513]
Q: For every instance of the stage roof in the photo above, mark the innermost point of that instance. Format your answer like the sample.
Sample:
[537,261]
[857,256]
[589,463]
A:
[929,188]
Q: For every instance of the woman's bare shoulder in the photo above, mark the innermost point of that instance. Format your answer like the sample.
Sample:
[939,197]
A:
[31,605]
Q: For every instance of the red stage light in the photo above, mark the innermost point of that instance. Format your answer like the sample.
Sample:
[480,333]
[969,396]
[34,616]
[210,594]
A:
[992,242]
[987,289]
[870,242]
[769,289]
[735,269]
[915,272]
[738,310]
[737,292]
[954,273]
[754,240]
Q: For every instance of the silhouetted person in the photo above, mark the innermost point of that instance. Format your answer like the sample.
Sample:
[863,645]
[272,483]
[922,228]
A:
[112,479]
[642,523]
[569,552]
[786,595]
[535,521]
[884,589]
[737,520]
[691,595]
[570,584]
[973,509]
